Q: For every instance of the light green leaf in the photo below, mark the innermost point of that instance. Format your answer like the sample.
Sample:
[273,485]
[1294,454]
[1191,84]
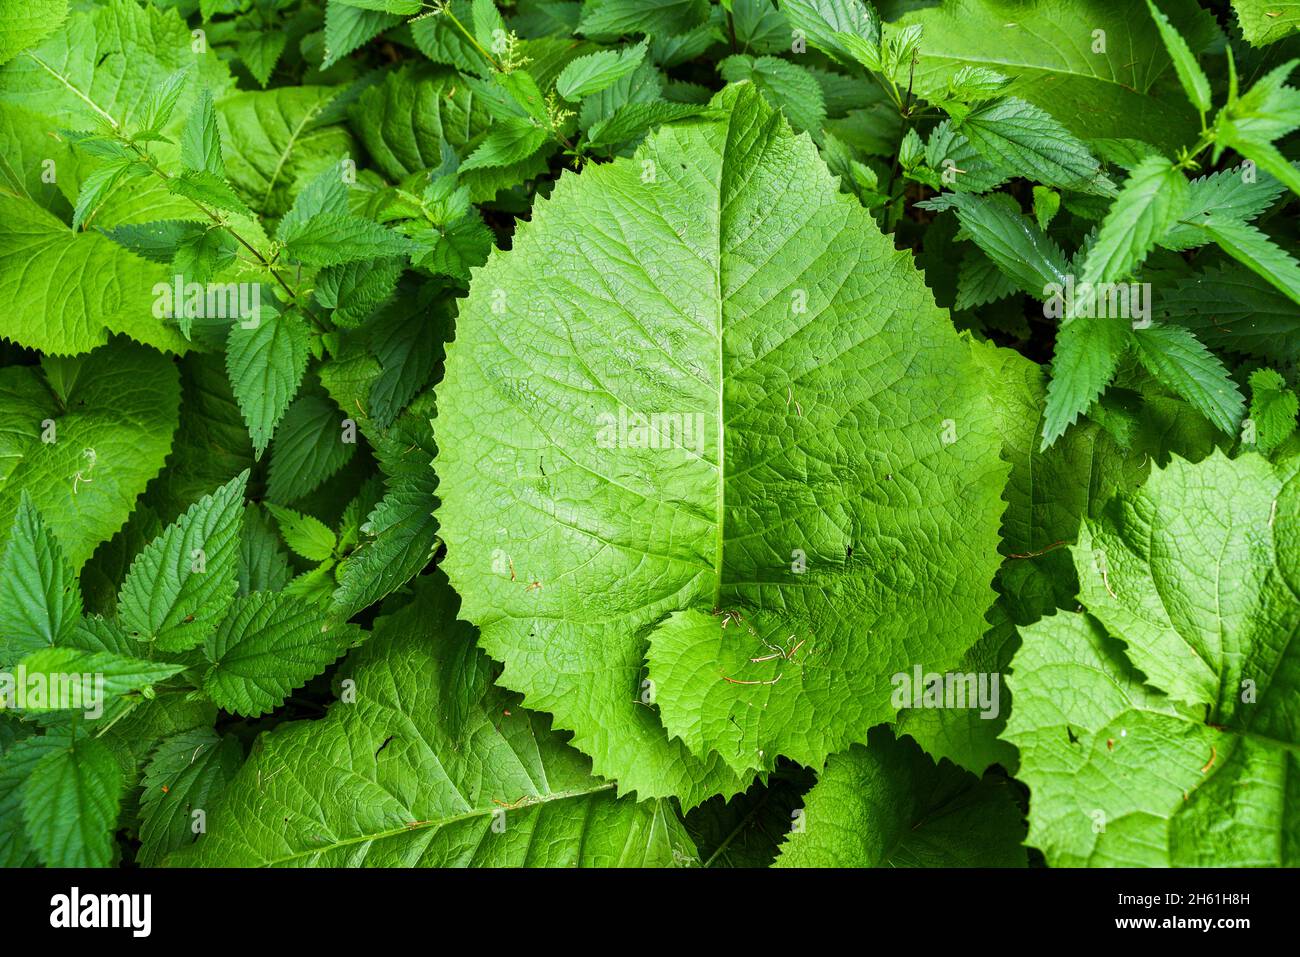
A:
[179,586]
[886,804]
[1266,21]
[1112,79]
[788,87]
[24,23]
[843,28]
[1153,199]
[1026,141]
[1189,579]
[421,766]
[307,536]
[69,290]
[596,71]
[200,141]
[273,141]
[1192,794]
[268,645]
[119,675]
[1273,408]
[508,142]
[1195,83]
[779,460]
[85,461]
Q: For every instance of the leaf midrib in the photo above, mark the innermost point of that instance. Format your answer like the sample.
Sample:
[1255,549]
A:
[438,823]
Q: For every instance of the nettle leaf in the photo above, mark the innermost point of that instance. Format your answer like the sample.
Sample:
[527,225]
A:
[120,673]
[1026,141]
[783,317]
[610,19]
[1154,198]
[1178,359]
[1254,250]
[70,804]
[1238,195]
[179,586]
[1229,307]
[1195,83]
[84,460]
[1192,794]
[265,365]
[1086,357]
[261,52]
[309,447]
[40,601]
[431,765]
[307,536]
[1018,247]
[267,645]
[185,773]
[833,26]
[348,27]
[1273,409]
[509,142]
[400,533]
[886,804]
[328,239]
[1115,80]
[787,86]
[405,121]
[200,139]
[596,71]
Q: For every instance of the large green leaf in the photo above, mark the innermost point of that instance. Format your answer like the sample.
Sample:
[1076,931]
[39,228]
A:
[838,487]
[106,64]
[278,139]
[1121,776]
[1127,89]
[405,121]
[85,457]
[425,763]
[886,804]
[69,290]
[1193,581]
[24,23]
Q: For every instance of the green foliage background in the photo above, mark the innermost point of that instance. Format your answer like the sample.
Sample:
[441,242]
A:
[542,432]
